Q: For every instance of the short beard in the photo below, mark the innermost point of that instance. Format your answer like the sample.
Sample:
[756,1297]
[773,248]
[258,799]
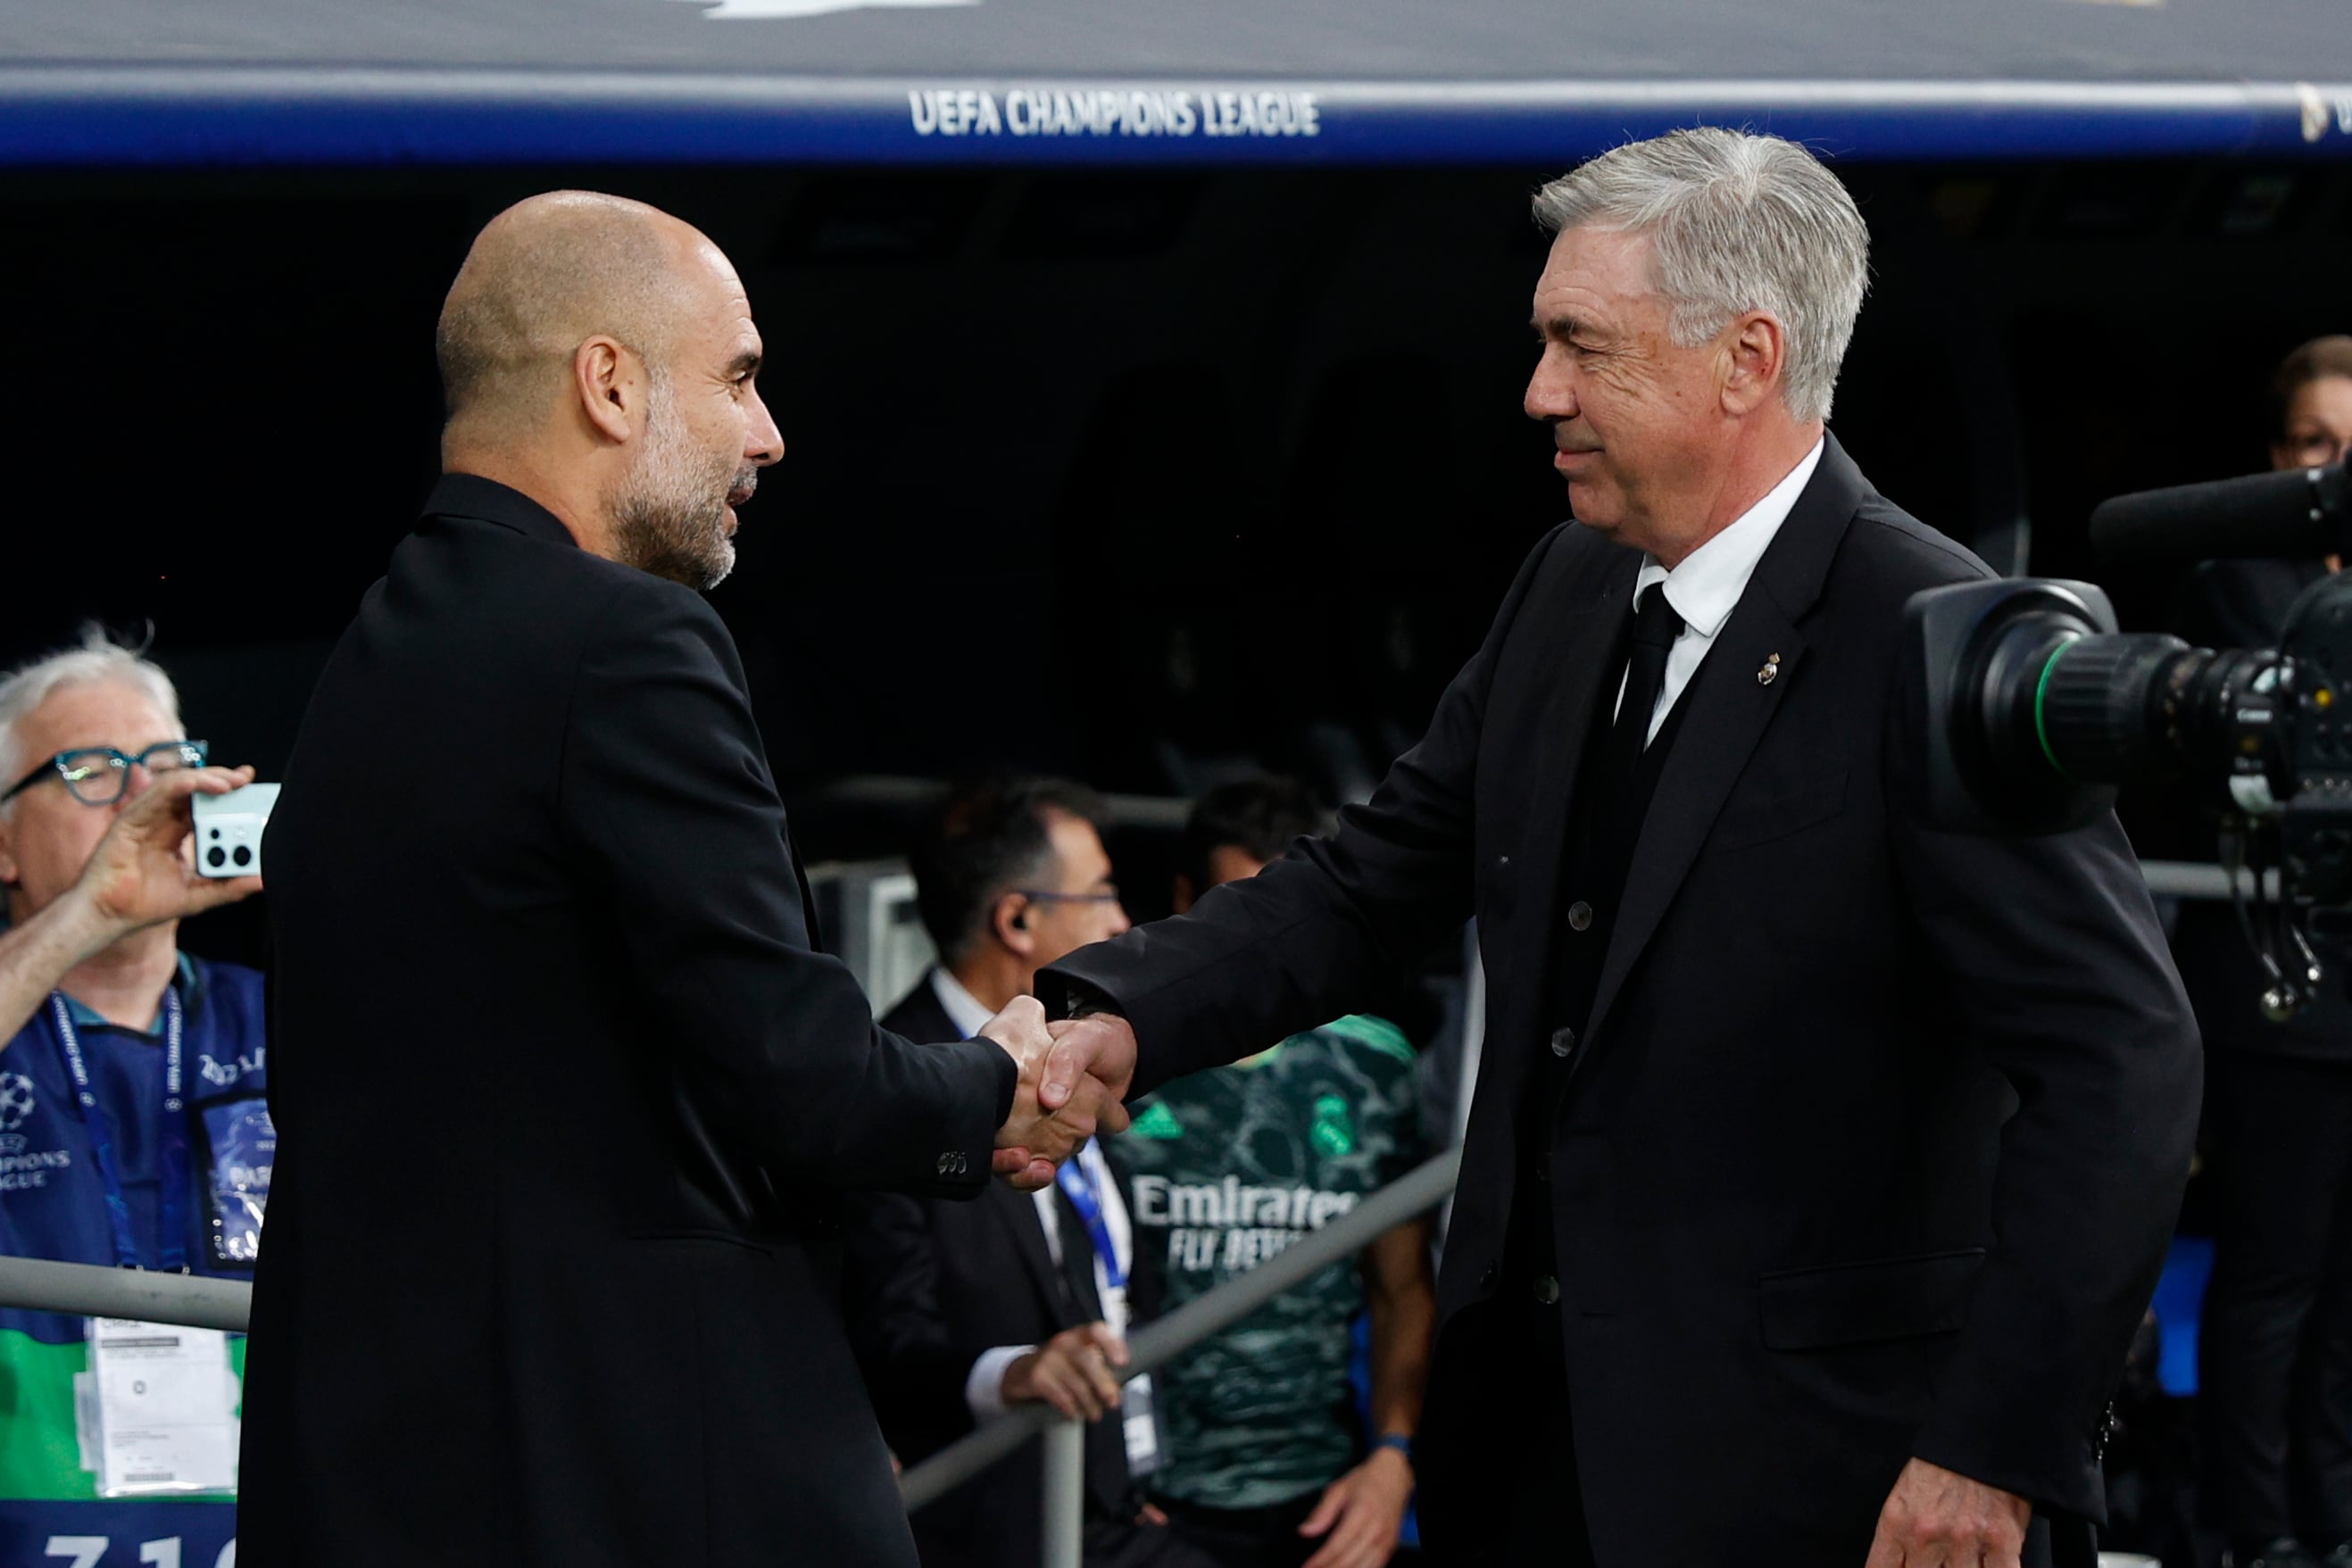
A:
[670,512]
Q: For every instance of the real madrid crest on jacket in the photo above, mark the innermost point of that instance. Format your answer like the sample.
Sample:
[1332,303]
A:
[140,1148]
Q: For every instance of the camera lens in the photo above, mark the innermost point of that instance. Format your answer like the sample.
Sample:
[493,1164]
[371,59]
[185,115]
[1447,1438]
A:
[242,855]
[2096,703]
[2033,710]
[216,832]
[2129,708]
[216,857]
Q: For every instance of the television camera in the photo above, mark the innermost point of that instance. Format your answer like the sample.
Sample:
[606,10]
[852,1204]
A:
[2032,709]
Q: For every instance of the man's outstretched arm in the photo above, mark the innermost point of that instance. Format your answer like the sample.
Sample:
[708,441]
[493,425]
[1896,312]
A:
[668,806]
[1314,935]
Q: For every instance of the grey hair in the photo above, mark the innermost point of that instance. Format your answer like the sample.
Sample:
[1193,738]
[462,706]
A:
[93,656]
[1737,221]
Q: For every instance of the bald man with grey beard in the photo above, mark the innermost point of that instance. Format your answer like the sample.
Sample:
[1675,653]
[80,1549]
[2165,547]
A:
[550,1009]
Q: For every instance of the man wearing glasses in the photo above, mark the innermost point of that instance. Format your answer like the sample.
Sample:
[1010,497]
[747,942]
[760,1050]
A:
[133,1128]
[962,1310]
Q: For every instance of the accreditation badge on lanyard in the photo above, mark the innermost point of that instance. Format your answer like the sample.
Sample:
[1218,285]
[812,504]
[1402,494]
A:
[241,1146]
[157,1408]
[1137,1417]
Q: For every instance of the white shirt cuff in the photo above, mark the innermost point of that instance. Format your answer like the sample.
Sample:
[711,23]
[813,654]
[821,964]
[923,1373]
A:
[984,1386]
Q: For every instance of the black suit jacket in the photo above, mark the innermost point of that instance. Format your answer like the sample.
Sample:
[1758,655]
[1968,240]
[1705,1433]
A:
[1873,1141]
[929,1287]
[565,1095]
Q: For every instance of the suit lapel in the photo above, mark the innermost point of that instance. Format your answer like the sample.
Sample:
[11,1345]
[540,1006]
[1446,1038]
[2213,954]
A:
[1730,707]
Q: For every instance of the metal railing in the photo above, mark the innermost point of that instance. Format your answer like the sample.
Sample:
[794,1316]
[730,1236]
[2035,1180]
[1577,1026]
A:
[1162,1341]
[91,1291]
[2178,879]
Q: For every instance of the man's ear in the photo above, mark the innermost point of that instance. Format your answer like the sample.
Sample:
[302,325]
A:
[1183,895]
[1008,922]
[608,381]
[1757,346]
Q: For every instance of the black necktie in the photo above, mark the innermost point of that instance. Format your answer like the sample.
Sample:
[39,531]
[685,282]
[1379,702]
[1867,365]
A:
[1077,1259]
[1655,627]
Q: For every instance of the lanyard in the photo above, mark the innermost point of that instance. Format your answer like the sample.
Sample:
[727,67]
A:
[171,1206]
[1078,1185]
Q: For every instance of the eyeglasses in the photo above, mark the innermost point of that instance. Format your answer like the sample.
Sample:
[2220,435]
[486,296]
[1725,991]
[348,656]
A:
[97,775]
[1046,895]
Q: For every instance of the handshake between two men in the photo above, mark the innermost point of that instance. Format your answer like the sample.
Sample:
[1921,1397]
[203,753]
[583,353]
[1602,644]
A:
[1075,1076]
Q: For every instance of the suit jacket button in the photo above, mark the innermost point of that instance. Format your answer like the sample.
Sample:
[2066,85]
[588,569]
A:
[1580,917]
[1487,1277]
[1563,1041]
[1546,1290]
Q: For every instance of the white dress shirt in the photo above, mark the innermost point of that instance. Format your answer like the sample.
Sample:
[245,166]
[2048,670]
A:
[1705,589]
[984,1386]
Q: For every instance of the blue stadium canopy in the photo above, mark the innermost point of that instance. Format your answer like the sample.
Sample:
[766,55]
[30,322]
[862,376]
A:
[1209,82]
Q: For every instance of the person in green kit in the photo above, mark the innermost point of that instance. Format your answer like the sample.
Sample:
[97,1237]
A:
[1268,1463]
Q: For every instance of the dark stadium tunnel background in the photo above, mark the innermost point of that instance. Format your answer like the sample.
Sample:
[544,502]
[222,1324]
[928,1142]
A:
[1127,474]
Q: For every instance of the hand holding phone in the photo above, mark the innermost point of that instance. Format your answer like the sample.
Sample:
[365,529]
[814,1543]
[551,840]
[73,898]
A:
[228,830]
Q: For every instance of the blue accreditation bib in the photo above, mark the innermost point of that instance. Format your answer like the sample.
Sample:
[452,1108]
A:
[55,1200]
[55,1204]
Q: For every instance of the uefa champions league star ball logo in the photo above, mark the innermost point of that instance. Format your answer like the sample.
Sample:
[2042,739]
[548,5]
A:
[15,1101]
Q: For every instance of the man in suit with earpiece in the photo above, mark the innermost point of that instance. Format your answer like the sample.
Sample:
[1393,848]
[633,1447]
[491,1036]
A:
[960,1312]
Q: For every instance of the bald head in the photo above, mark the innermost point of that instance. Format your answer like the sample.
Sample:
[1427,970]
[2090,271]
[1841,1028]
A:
[544,277]
[599,356]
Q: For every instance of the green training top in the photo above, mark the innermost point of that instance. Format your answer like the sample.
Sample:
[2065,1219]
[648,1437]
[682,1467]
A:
[1228,1167]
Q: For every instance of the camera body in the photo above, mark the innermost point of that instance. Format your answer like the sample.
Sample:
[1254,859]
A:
[2316,819]
[228,830]
[2030,708]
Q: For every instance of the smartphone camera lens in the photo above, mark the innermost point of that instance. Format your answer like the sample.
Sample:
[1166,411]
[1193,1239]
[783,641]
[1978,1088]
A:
[242,855]
[216,857]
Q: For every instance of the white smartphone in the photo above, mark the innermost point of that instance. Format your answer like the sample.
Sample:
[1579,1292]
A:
[228,830]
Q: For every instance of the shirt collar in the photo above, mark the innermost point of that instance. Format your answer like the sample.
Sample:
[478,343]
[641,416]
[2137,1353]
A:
[966,1011]
[1706,586]
[184,977]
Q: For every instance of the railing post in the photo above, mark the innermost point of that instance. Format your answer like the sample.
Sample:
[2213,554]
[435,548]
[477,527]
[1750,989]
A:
[1065,1493]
